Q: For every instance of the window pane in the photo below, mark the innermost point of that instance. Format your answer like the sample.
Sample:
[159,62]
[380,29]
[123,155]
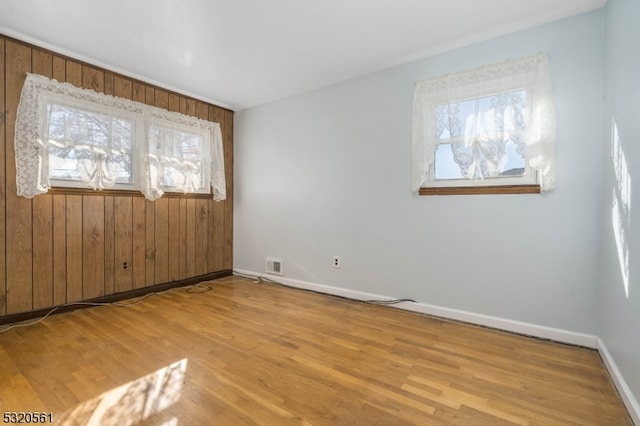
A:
[88,146]
[480,137]
[515,165]
[446,166]
[182,154]
[495,115]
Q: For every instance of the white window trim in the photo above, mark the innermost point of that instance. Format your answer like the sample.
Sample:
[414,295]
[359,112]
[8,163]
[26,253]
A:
[530,73]
[63,98]
[32,169]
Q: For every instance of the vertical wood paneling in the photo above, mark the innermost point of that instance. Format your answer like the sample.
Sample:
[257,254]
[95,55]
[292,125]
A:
[174,238]
[3,260]
[19,223]
[138,92]
[174,102]
[218,243]
[92,246]
[59,68]
[42,63]
[74,73]
[202,233]
[74,247]
[92,78]
[227,135]
[202,110]
[109,245]
[183,239]
[162,240]
[139,240]
[93,217]
[109,83]
[211,236]
[161,99]
[59,250]
[150,241]
[191,237]
[42,251]
[122,87]
[123,244]
[191,107]
[150,95]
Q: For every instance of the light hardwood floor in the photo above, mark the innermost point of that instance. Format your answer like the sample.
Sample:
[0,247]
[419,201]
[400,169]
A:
[258,353]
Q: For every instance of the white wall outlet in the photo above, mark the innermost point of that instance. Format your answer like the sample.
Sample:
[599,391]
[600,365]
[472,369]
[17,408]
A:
[337,262]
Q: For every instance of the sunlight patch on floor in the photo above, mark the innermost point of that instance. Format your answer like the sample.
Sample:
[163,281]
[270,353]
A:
[133,402]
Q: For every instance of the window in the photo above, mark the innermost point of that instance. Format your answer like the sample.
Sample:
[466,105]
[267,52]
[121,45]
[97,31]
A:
[88,148]
[71,137]
[184,153]
[490,127]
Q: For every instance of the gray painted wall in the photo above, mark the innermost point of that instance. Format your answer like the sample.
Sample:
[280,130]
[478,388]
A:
[620,306]
[328,173]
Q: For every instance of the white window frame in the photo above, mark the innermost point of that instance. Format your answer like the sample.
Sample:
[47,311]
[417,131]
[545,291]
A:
[205,170]
[529,177]
[48,98]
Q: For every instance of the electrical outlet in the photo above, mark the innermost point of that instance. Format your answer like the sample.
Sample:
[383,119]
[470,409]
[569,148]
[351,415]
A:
[337,262]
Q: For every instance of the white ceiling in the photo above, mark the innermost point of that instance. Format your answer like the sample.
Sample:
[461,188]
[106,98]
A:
[242,53]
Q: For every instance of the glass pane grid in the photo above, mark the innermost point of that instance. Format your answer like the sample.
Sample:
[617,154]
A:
[481,138]
[182,153]
[89,146]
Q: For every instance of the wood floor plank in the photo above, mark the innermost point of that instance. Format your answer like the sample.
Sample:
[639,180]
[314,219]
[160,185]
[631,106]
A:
[258,353]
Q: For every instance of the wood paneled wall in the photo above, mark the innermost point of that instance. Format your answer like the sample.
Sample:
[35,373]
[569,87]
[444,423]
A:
[67,247]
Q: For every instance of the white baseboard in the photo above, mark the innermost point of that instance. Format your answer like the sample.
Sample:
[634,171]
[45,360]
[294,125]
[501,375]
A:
[555,334]
[539,331]
[625,393]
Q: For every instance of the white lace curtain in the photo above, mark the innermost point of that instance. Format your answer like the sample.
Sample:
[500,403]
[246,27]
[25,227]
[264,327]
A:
[479,111]
[114,140]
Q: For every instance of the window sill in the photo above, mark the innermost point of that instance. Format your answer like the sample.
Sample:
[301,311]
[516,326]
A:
[479,190]
[121,192]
